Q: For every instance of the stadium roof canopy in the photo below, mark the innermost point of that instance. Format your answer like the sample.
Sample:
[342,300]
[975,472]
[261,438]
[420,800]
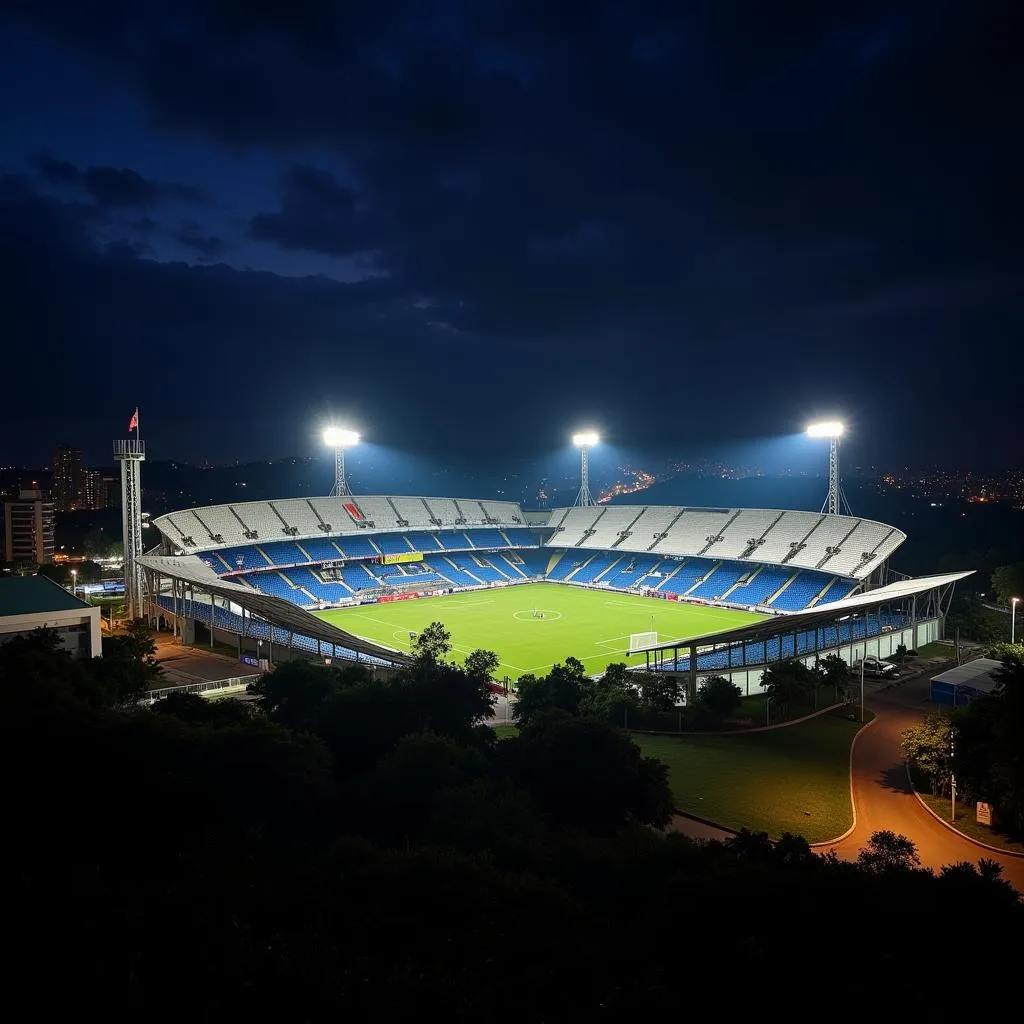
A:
[765,629]
[275,610]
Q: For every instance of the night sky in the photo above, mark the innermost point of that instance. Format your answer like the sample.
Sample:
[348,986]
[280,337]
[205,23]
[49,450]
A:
[474,225]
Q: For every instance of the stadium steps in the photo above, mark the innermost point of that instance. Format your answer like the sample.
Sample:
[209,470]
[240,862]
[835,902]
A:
[592,529]
[721,533]
[270,561]
[666,531]
[459,568]
[758,541]
[489,564]
[744,582]
[785,586]
[628,531]
[373,544]
[836,548]
[515,572]
[703,579]
[664,579]
[872,553]
[821,593]
[305,553]
[223,561]
[611,569]
[553,561]
[582,565]
[802,542]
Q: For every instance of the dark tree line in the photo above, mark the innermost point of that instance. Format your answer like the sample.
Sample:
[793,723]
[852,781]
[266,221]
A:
[342,844]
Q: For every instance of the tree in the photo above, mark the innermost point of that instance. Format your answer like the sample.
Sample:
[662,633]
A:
[561,689]
[433,643]
[481,664]
[719,696]
[790,683]
[197,710]
[585,773]
[1008,582]
[128,667]
[834,672]
[611,697]
[293,693]
[927,746]
[888,852]
[659,691]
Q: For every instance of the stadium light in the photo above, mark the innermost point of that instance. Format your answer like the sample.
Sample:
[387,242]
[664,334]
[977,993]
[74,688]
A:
[339,439]
[831,430]
[585,440]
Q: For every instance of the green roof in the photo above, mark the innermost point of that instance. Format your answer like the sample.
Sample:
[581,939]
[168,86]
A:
[30,595]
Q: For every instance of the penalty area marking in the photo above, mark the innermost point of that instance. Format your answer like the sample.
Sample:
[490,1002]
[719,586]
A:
[549,615]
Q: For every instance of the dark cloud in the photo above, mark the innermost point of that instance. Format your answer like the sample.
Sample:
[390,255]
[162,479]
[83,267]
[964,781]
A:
[208,246]
[113,188]
[317,213]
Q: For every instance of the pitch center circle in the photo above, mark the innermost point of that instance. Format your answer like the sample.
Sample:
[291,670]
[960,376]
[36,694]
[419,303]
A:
[545,615]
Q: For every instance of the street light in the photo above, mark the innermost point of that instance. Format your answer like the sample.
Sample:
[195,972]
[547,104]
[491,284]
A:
[74,582]
[585,440]
[1014,601]
[339,439]
[832,430]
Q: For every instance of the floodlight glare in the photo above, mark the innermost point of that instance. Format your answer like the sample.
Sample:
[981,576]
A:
[827,428]
[337,437]
[586,439]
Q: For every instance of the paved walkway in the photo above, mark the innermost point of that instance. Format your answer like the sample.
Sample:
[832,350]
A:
[882,795]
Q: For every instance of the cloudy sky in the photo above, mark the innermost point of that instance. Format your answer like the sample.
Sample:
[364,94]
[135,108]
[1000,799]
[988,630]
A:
[466,225]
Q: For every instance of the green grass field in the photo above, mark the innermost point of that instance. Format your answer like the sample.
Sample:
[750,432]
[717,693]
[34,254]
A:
[795,779]
[591,625]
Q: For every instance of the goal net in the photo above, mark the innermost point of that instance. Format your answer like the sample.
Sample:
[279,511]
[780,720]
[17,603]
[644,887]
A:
[638,641]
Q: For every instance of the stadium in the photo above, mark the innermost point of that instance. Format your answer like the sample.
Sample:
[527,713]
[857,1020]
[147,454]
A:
[670,588]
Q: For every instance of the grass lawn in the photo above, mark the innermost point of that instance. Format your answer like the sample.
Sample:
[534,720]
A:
[795,779]
[966,820]
[591,625]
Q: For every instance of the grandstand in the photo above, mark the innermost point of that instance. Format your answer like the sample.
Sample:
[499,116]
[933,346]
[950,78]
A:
[253,568]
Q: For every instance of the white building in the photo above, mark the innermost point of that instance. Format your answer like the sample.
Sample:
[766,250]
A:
[29,528]
[28,603]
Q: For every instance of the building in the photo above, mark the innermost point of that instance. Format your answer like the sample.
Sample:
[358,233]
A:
[92,490]
[28,603]
[67,471]
[28,528]
[960,685]
[111,491]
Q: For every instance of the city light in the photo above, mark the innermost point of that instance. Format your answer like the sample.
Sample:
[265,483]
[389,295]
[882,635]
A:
[826,428]
[586,439]
[338,437]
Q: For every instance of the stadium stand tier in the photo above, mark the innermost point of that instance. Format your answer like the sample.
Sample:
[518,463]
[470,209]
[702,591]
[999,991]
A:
[324,551]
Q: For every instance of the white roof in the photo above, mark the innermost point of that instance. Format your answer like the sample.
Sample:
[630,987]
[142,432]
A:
[979,674]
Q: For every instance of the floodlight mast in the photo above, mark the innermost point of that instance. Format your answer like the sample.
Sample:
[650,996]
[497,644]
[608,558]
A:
[339,439]
[585,440]
[835,501]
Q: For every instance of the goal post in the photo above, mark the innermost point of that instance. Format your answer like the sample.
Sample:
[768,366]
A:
[638,641]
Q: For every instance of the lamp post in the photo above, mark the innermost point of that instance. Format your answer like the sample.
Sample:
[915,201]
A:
[339,439]
[952,773]
[1014,601]
[585,440]
[862,684]
[74,582]
[832,430]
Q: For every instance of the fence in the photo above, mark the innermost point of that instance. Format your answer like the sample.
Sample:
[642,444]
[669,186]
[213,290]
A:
[235,682]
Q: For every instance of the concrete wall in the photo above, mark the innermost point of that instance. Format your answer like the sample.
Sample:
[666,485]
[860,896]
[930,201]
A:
[64,623]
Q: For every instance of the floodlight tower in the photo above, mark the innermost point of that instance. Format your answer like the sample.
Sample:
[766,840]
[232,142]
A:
[131,454]
[585,440]
[833,430]
[339,439]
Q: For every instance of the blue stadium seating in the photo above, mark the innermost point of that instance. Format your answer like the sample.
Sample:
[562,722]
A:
[721,579]
[248,557]
[392,543]
[283,552]
[686,577]
[357,547]
[453,540]
[486,538]
[424,541]
[321,550]
[761,587]
[456,576]
[594,567]
[837,590]
[801,591]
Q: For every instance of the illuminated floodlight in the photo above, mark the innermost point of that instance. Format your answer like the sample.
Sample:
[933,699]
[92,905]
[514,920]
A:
[826,428]
[339,439]
[584,440]
[832,431]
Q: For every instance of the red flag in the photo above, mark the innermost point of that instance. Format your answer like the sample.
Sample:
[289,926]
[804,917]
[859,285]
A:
[134,422]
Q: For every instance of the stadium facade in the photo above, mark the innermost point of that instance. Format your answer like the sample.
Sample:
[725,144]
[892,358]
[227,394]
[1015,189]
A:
[252,573]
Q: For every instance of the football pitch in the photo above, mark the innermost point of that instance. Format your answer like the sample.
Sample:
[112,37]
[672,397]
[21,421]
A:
[592,625]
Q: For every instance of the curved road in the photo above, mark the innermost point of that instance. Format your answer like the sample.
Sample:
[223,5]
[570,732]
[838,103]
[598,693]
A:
[882,795]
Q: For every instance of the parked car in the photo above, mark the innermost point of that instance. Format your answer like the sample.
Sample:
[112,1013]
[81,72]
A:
[879,669]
